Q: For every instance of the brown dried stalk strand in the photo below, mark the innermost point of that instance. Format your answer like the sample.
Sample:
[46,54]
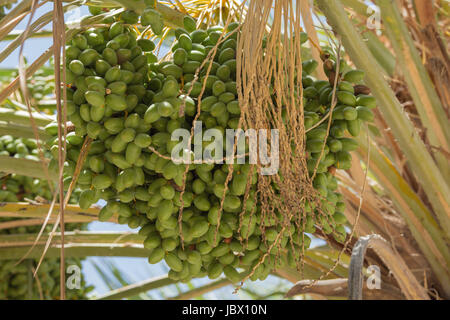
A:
[246,88]
[58,42]
[38,284]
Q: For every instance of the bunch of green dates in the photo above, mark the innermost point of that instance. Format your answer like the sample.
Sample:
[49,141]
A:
[106,69]
[129,105]
[124,165]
